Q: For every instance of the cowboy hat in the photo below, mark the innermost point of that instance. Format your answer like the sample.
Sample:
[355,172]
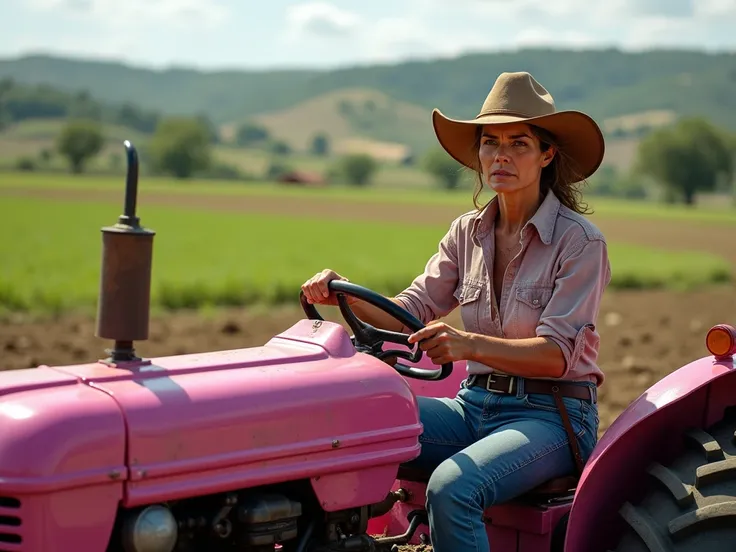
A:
[519,98]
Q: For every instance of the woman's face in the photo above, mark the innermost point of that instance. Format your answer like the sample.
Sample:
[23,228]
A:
[510,157]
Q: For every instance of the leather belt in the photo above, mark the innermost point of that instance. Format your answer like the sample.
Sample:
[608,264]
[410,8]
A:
[505,384]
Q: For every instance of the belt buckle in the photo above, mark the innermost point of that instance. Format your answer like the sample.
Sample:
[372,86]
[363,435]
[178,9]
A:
[500,391]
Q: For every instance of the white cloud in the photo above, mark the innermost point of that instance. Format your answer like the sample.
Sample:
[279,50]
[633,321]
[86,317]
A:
[319,19]
[716,9]
[521,13]
[336,33]
[545,36]
[178,13]
[393,38]
[660,30]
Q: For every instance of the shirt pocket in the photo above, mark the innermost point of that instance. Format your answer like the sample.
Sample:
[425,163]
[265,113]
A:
[468,294]
[530,301]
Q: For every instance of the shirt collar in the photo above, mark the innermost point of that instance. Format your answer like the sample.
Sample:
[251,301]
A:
[543,220]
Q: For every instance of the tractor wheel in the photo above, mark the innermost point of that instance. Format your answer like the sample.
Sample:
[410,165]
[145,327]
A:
[690,504]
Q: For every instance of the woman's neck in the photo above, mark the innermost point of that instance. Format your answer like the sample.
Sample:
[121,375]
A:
[516,208]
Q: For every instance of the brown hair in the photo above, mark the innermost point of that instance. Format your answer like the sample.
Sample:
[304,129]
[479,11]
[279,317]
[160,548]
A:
[559,176]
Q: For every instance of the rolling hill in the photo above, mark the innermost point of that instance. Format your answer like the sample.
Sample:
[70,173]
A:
[605,83]
[353,118]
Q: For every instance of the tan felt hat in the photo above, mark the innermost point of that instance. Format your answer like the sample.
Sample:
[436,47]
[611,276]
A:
[519,98]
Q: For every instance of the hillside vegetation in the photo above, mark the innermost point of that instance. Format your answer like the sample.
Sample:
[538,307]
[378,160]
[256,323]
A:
[605,83]
[663,113]
[350,113]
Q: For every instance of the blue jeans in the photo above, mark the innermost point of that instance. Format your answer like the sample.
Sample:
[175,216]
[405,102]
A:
[486,448]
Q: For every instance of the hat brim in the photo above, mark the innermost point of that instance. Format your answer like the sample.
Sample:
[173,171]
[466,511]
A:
[578,135]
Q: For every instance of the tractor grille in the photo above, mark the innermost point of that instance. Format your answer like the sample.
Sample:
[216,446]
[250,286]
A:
[10,525]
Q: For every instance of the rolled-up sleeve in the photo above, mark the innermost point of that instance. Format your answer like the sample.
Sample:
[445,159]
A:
[569,319]
[431,295]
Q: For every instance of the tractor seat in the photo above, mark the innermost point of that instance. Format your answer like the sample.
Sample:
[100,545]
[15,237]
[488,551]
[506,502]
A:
[557,487]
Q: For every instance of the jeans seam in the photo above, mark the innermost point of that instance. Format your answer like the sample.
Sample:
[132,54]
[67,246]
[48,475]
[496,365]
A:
[483,418]
[583,407]
[439,442]
[474,499]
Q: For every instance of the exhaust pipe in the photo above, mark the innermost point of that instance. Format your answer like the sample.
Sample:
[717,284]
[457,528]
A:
[123,308]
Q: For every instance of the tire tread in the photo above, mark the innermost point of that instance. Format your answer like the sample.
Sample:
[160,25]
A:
[689,504]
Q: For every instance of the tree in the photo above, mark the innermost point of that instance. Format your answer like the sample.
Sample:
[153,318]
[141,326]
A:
[212,131]
[181,146]
[358,168]
[686,158]
[320,144]
[83,106]
[251,133]
[443,167]
[78,141]
[279,147]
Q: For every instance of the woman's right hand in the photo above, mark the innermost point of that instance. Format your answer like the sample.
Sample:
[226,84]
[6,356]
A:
[316,291]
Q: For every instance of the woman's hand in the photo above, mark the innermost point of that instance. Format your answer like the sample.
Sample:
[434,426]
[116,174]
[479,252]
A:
[443,343]
[316,291]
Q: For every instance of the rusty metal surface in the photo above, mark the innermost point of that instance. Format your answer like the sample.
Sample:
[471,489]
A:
[125,284]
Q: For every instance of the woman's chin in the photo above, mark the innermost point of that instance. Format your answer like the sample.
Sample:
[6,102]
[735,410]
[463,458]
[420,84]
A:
[502,185]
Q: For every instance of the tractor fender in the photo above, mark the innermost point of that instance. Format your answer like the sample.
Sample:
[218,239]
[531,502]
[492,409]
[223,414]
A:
[650,426]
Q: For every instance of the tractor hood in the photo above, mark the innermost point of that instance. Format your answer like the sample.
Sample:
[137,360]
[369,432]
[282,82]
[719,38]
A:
[56,433]
[305,405]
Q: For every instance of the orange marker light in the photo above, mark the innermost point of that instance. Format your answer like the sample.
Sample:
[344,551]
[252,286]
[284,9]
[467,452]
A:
[721,340]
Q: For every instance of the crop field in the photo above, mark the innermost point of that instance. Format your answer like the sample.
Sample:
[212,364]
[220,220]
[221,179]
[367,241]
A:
[229,260]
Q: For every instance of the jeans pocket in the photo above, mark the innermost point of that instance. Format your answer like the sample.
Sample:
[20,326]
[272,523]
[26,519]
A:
[540,401]
[579,411]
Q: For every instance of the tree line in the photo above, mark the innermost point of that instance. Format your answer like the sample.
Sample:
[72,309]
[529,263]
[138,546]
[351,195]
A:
[689,157]
[22,102]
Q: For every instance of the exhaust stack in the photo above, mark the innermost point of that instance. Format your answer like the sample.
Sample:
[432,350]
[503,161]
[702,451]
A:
[125,280]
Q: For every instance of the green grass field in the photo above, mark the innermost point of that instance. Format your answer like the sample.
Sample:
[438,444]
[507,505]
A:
[51,252]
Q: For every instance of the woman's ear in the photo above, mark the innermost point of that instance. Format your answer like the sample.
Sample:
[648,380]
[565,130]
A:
[548,155]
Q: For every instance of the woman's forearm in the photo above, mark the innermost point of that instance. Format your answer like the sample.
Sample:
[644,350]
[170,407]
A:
[535,357]
[375,316]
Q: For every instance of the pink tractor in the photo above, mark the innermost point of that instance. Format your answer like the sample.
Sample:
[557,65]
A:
[300,444]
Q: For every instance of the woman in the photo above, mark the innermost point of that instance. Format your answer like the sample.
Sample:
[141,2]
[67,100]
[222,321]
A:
[527,271]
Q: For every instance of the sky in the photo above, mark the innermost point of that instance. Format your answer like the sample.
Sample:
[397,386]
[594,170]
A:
[251,34]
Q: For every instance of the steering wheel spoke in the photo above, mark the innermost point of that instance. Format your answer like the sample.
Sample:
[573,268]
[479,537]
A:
[414,356]
[369,339]
[365,334]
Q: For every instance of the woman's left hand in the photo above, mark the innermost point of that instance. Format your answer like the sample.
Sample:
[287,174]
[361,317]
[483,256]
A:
[443,343]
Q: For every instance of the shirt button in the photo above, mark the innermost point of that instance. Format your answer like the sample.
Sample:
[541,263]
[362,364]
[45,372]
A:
[536,301]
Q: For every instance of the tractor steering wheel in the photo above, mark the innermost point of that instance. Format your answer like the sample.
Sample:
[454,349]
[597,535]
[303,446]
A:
[369,339]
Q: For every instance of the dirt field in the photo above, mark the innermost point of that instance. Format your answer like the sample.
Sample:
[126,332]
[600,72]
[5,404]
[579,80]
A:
[645,335]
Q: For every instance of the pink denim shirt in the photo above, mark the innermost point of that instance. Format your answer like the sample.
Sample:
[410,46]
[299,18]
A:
[552,288]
